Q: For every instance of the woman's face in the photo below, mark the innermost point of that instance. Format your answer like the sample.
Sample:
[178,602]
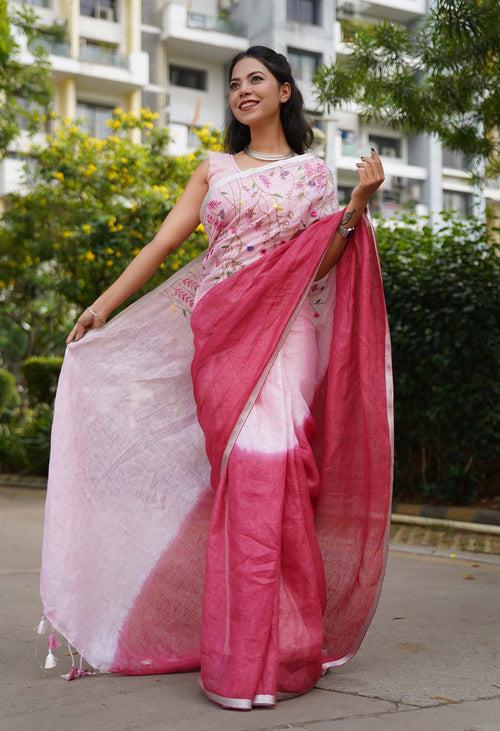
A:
[251,81]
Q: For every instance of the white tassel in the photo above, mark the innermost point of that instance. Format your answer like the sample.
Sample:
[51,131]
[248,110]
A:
[42,626]
[50,660]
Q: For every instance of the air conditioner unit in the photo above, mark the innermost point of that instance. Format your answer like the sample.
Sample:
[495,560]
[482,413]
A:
[104,13]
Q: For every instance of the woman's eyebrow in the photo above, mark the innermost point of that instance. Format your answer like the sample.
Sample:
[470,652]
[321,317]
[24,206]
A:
[237,78]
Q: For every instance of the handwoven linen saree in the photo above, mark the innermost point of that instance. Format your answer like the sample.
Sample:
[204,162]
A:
[221,465]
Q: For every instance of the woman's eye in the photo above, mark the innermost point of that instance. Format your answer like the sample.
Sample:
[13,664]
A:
[234,84]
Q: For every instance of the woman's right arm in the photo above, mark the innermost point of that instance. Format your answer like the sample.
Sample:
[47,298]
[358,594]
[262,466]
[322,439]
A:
[180,222]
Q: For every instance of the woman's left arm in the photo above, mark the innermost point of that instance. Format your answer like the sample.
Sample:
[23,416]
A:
[371,175]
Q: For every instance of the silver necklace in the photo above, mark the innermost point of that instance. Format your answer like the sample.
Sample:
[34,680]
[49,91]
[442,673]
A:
[268,155]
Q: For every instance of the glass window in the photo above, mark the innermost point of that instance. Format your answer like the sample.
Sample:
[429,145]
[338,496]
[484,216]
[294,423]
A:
[103,9]
[303,11]
[456,200]
[93,118]
[349,143]
[454,159]
[387,146]
[188,77]
[303,64]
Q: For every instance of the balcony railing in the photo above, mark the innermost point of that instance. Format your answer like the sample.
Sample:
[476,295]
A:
[101,54]
[55,48]
[221,25]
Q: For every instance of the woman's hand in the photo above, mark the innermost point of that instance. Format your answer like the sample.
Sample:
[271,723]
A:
[86,321]
[371,174]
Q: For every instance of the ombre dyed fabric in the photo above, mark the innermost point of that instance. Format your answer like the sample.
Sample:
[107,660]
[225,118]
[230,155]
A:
[220,475]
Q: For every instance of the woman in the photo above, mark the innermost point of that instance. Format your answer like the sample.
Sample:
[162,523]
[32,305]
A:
[220,477]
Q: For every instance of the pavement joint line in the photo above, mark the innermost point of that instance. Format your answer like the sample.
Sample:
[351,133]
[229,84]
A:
[369,697]
[19,573]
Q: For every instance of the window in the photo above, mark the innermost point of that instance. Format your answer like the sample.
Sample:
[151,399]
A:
[303,11]
[303,64]
[387,146]
[349,143]
[188,77]
[93,118]
[457,201]
[454,159]
[103,9]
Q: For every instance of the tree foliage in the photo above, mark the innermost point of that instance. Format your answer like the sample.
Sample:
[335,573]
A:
[29,82]
[91,206]
[441,76]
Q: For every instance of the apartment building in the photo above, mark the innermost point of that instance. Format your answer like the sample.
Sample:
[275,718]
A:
[174,58]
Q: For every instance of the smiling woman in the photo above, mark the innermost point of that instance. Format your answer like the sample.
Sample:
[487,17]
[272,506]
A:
[220,478]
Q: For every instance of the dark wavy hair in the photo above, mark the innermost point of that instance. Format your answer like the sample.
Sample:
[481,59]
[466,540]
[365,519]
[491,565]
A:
[298,131]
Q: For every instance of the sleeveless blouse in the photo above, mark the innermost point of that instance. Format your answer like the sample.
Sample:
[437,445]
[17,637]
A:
[248,213]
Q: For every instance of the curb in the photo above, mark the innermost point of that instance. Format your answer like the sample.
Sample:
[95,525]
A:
[445,515]
[485,516]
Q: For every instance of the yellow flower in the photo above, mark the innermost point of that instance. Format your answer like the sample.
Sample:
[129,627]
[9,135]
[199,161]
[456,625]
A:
[112,175]
[90,170]
[58,175]
[109,262]
[67,234]
[118,111]
[175,265]
[86,228]
[109,250]
[118,227]
[200,227]
[148,125]
[191,156]
[89,255]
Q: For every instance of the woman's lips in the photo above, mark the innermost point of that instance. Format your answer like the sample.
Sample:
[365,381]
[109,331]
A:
[251,106]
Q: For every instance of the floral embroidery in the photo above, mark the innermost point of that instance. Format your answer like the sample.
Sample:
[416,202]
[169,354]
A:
[182,295]
[272,206]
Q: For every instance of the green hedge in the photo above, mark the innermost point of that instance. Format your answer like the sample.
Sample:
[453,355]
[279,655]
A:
[442,298]
[41,375]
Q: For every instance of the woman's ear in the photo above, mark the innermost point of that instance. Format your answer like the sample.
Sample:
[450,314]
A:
[285,91]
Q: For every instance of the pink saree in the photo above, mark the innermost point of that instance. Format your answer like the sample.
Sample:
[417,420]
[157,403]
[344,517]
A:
[220,477]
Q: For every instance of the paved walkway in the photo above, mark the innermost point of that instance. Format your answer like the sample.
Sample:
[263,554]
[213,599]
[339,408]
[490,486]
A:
[429,661]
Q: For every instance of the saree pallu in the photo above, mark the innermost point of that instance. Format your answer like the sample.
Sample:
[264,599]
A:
[220,477]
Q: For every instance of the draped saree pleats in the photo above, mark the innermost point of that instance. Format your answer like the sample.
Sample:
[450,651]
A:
[229,511]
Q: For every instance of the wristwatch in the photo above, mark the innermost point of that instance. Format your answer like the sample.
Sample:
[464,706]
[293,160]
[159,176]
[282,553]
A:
[346,232]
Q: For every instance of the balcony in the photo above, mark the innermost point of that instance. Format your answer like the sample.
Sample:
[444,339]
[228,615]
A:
[55,48]
[349,150]
[202,37]
[401,11]
[96,68]
[103,55]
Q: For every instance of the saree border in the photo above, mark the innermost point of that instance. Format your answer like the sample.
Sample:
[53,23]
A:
[214,186]
[389,392]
